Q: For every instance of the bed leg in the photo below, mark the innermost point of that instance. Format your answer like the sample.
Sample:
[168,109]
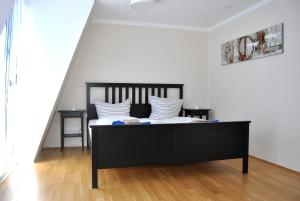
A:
[95,177]
[246,149]
[245,164]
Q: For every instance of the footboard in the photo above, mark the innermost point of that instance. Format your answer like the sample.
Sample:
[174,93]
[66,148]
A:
[138,145]
[212,141]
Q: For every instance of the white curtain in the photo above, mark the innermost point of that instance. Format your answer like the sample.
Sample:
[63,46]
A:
[2,103]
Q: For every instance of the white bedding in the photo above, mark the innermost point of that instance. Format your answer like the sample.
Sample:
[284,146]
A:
[173,120]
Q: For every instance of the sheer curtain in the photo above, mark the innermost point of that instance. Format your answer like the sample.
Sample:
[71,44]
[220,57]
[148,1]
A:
[2,103]
[8,77]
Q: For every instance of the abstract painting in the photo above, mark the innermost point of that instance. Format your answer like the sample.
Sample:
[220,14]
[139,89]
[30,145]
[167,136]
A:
[263,43]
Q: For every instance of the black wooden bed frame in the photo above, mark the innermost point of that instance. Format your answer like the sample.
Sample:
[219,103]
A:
[138,145]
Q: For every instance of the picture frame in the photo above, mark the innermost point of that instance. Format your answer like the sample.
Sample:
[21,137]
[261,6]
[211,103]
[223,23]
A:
[262,43]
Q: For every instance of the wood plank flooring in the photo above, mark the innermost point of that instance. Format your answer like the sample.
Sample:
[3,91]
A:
[67,176]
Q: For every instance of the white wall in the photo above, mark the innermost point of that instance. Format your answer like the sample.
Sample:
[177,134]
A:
[114,53]
[265,91]
[50,32]
[5,9]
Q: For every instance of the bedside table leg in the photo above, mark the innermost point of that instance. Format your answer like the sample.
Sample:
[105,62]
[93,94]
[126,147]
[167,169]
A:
[82,134]
[62,130]
[82,148]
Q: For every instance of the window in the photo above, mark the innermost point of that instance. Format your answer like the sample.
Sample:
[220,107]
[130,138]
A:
[8,77]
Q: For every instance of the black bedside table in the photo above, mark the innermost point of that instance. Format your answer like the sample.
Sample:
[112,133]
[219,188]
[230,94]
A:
[70,114]
[197,112]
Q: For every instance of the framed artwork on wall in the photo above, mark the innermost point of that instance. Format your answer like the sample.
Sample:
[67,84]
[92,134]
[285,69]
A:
[263,43]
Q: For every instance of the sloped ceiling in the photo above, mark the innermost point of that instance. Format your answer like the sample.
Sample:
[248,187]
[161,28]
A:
[50,32]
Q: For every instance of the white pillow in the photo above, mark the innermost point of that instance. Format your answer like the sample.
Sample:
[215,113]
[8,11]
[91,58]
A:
[162,108]
[109,110]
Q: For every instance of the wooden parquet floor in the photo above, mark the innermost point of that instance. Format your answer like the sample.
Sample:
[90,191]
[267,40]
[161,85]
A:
[67,176]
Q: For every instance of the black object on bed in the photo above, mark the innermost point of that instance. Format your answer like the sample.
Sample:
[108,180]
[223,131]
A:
[138,145]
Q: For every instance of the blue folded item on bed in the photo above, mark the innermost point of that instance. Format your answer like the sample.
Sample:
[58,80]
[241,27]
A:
[214,121]
[146,123]
[116,123]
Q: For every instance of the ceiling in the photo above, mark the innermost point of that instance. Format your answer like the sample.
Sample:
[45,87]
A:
[186,14]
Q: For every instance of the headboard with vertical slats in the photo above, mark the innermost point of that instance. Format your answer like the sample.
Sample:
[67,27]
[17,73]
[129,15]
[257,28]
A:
[137,92]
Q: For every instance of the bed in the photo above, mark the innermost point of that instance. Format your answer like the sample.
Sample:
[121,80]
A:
[177,143]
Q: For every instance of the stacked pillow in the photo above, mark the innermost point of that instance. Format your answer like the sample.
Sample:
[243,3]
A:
[162,108]
[109,110]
